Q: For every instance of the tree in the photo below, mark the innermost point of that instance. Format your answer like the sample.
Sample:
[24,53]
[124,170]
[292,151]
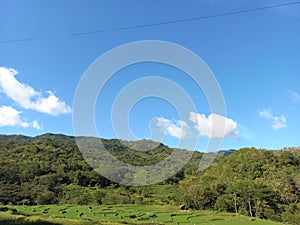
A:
[251,197]
[292,214]
[200,196]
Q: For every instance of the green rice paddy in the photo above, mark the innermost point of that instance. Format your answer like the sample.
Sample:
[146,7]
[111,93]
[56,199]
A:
[118,214]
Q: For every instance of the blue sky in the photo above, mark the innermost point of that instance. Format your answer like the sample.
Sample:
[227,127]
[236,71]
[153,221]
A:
[255,57]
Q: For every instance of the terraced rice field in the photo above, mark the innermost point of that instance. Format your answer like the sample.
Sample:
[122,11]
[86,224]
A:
[118,214]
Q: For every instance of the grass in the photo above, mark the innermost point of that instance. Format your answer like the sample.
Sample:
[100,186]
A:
[117,215]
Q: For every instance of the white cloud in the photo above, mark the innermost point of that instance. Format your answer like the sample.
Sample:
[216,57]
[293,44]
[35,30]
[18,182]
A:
[27,97]
[278,122]
[266,114]
[295,96]
[36,125]
[11,117]
[176,129]
[214,126]
[162,122]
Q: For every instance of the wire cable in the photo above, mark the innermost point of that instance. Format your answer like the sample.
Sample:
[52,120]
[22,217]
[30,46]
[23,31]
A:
[186,20]
[165,23]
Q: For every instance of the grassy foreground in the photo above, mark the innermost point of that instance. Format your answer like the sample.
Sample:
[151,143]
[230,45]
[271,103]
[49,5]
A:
[118,214]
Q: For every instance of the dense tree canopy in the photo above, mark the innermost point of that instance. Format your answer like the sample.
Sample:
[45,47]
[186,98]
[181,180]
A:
[49,169]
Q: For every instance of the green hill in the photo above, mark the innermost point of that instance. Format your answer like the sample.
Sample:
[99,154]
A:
[49,169]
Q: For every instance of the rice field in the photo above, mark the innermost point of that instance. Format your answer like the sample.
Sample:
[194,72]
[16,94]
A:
[118,214]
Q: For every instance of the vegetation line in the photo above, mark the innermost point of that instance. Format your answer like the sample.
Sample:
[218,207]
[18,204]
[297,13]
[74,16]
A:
[49,169]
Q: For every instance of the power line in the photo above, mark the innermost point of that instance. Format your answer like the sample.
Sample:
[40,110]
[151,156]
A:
[166,22]
[186,20]
[17,40]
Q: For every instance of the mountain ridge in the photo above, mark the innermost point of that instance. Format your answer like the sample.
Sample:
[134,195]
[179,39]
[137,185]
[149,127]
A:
[50,169]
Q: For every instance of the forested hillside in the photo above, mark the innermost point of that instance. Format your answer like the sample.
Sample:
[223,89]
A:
[49,169]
